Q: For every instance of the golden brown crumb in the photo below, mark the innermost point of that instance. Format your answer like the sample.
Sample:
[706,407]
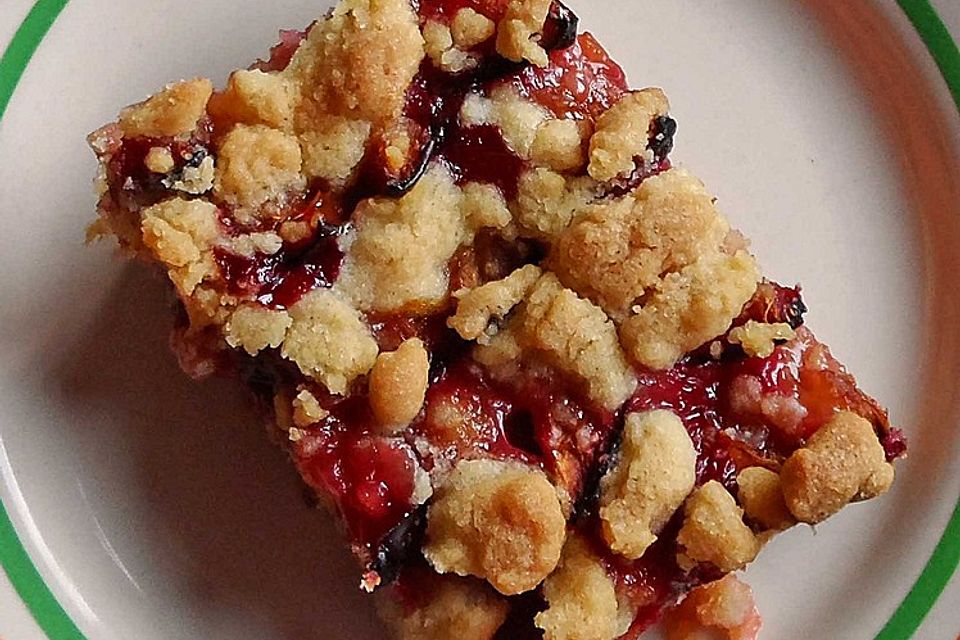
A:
[359,62]
[307,410]
[581,600]
[573,335]
[713,531]
[484,207]
[759,338]
[257,164]
[558,145]
[655,473]
[517,31]
[254,327]
[159,160]
[690,308]
[761,495]
[547,201]
[398,383]
[496,520]
[477,308]
[179,231]
[264,242]
[332,147]
[328,341]
[517,117]
[843,461]
[171,112]
[400,252]
[615,253]
[470,28]
[622,133]
[453,608]
[439,45]
[722,610]
[254,97]
[196,180]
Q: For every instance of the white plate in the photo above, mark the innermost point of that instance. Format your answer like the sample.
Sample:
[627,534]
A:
[154,508]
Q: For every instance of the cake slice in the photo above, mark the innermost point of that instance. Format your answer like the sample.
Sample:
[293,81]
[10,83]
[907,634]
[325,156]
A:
[523,358]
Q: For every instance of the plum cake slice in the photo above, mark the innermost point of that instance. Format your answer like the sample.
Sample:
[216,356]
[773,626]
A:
[523,358]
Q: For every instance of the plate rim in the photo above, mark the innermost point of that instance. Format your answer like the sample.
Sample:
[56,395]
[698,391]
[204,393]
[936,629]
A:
[56,623]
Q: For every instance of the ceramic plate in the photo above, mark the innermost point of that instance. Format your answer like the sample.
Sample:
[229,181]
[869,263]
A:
[141,505]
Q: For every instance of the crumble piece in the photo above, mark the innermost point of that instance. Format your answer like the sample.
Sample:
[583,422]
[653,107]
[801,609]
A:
[178,231]
[307,410]
[250,244]
[172,112]
[656,471]
[490,302]
[573,335]
[257,164]
[254,327]
[159,160]
[518,118]
[500,521]
[759,338]
[581,598]
[713,531]
[333,147]
[484,207]
[440,48]
[401,248]
[761,495]
[518,31]
[623,133]
[547,201]
[358,63]
[470,28]
[328,340]
[618,252]
[558,145]
[196,180]
[453,608]
[398,383]
[253,97]
[843,461]
[690,308]
[723,610]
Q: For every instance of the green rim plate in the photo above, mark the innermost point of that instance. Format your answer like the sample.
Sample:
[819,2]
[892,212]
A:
[55,622]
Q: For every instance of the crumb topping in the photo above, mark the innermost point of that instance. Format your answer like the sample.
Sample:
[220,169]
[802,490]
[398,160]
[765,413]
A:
[620,252]
[452,609]
[172,112]
[690,308]
[518,119]
[581,598]
[843,461]
[159,160]
[401,248]
[759,338]
[623,133]
[496,520]
[253,97]
[254,328]
[655,473]
[491,302]
[547,201]
[398,384]
[761,494]
[724,610]
[573,335]
[257,164]
[307,410]
[558,145]
[518,31]
[713,531]
[329,341]
[470,28]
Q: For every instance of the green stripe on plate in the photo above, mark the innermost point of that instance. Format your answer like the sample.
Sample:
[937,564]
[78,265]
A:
[57,624]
